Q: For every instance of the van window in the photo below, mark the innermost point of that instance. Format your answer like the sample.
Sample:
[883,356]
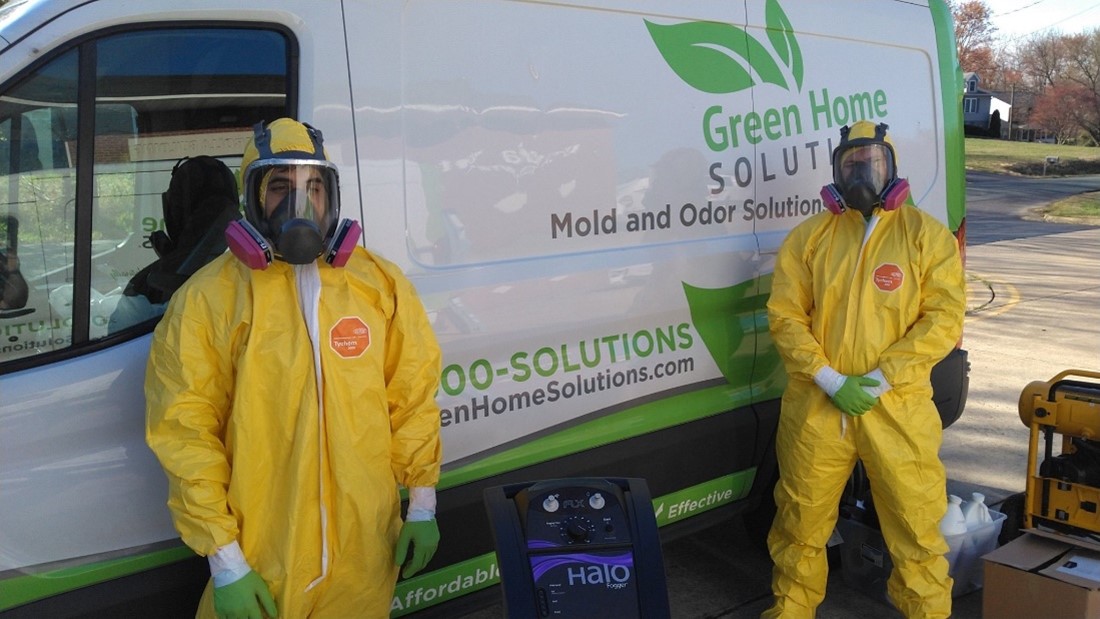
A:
[79,206]
[37,198]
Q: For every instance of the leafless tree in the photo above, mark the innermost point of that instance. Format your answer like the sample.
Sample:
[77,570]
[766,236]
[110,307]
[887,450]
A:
[1043,59]
[1083,51]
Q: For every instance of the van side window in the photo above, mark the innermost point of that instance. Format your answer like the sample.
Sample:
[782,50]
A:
[85,159]
[37,208]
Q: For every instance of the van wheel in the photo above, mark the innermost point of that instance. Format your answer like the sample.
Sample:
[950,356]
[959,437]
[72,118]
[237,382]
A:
[759,521]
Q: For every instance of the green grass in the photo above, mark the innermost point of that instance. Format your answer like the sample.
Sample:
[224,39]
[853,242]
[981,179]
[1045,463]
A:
[1028,159]
[1081,205]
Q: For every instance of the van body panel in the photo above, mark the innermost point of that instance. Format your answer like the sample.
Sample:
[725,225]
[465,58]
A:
[71,456]
[497,153]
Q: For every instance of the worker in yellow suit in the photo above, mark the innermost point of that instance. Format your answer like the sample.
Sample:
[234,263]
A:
[867,296]
[290,391]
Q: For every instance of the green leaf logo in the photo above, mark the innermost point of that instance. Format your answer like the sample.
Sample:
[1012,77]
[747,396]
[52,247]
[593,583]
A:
[723,317]
[781,36]
[733,324]
[722,58]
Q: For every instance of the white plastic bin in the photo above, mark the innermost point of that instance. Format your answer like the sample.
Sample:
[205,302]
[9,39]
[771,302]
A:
[967,550]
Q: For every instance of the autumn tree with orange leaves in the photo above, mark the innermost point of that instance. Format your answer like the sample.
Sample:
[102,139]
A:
[974,32]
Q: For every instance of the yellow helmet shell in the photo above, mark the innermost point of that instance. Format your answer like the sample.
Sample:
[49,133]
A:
[866,131]
[288,137]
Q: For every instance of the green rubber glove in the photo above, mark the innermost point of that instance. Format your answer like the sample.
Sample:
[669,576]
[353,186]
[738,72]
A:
[852,399]
[247,598]
[424,536]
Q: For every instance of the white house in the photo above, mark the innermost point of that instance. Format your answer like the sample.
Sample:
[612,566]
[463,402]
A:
[979,105]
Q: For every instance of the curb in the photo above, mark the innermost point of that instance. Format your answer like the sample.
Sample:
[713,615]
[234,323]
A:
[1037,214]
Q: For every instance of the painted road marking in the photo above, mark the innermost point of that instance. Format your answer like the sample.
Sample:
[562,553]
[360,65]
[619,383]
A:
[987,297]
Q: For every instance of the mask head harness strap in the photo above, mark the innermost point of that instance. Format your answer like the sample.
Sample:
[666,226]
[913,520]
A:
[261,137]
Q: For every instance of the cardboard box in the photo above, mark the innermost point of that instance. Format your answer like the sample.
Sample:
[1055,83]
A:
[1042,574]
[866,563]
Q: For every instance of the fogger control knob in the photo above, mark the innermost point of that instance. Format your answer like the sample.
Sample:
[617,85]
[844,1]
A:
[550,503]
[577,529]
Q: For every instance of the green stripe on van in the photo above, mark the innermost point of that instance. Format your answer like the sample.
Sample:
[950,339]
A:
[676,506]
[951,93]
[31,587]
[635,421]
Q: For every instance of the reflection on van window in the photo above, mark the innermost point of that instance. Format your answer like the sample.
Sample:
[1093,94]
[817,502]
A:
[37,197]
[201,200]
[13,286]
[160,96]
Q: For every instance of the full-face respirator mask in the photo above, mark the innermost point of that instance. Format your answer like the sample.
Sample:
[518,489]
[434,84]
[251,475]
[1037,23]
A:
[291,201]
[864,172]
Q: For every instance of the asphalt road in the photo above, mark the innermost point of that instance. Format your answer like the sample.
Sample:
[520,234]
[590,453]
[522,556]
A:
[1033,296]
[1033,299]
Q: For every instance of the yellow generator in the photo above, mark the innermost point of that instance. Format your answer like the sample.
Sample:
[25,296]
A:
[1063,489]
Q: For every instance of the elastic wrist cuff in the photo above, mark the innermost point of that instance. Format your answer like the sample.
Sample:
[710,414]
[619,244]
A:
[883,384]
[228,565]
[829,380]
[422,500]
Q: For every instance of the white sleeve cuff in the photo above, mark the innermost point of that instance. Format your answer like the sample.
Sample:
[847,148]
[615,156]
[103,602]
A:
[883,384]
[421,504]
[228,565]
[829,380]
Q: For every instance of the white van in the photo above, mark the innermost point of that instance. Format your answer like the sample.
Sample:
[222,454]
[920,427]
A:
[588,195]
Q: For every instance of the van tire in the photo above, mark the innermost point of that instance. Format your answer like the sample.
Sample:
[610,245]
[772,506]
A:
[1013,508]
[759,521]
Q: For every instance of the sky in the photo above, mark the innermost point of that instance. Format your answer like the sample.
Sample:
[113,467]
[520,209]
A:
[1020,18]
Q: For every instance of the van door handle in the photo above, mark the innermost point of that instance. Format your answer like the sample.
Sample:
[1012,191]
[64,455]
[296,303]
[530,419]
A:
[765,253]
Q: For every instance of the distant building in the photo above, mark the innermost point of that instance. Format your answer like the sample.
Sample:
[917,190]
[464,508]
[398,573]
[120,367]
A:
[980,105]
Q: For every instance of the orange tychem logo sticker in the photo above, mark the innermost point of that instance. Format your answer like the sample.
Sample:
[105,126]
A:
[888,277]
[350,337]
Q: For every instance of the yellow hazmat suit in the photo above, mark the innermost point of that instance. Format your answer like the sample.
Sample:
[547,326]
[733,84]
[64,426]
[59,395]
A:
[893,302]
[233,416]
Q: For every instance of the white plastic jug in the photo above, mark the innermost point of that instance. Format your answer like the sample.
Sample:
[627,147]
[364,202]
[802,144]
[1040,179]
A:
[953,522]
[975,512]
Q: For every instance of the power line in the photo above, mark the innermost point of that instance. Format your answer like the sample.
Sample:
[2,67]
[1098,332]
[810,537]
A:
[1048,26]
[1071,16]
[1026,6]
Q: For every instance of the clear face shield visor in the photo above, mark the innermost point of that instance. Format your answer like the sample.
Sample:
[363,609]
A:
[865,164]
[295,203]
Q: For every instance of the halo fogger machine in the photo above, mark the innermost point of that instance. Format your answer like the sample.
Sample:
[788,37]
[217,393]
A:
[1063,489]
